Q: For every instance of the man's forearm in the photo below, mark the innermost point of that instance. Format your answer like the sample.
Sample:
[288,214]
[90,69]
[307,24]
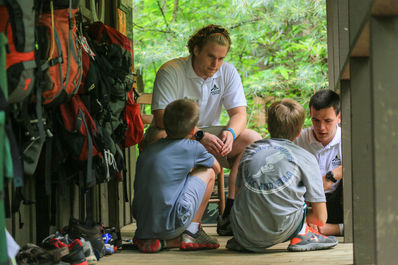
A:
[237,120]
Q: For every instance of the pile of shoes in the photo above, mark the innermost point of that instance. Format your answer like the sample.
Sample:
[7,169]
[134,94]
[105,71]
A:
[73,249]
[112,240]
[32,254]
[91,233]
[78,244]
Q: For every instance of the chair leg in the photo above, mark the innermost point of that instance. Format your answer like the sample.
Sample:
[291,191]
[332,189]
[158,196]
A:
[221,192]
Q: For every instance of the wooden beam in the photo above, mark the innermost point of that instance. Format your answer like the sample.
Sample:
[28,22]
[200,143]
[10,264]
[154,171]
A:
[385,8]
[384,54]
[361,48]
[362,162]
[346,73]
[345,99]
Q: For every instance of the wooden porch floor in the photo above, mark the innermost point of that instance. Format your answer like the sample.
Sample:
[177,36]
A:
[341,254]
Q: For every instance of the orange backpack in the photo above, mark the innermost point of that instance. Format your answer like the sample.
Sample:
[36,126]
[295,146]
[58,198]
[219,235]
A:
[17,22]
[59,54]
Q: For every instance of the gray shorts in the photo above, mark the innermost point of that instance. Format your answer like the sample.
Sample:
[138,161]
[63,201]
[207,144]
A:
[188,204]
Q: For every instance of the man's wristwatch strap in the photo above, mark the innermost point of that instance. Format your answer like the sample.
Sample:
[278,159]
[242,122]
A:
[330,176]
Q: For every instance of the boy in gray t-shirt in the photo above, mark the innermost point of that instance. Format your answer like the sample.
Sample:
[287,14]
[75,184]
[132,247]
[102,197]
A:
[173,183]
[275,179]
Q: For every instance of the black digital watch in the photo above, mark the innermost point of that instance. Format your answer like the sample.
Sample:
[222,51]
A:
[199,135]
[330,176]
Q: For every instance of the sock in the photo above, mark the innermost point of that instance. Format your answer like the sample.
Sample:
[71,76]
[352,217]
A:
[193,228]
[228,207]
[341,226]
[302,231]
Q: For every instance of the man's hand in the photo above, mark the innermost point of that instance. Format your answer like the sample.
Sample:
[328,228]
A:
[228,139]
[212,143]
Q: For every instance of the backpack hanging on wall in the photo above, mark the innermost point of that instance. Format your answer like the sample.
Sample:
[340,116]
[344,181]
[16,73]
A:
[114,57]
[17,22]
[78,131]
[135,127]
[59,53]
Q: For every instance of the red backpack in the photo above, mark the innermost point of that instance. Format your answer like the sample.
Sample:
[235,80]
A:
[135,126]
[107,35]
[17,22]
[80,127]
[59,54]
[78,134]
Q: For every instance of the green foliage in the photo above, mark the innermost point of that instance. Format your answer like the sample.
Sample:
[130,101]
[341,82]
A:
[278,46]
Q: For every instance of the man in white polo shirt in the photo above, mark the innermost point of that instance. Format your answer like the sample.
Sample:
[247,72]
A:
[323,140]
[204,77]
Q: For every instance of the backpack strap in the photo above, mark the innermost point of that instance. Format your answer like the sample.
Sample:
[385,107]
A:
[15,155]
[82,118]
[47,170]
[71,47]
[18,23]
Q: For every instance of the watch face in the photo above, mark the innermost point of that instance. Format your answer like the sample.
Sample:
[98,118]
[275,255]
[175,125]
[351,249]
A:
[330,176]
[199,135]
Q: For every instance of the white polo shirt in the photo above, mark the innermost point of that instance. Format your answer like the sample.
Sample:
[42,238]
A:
[328,157]
[176,79]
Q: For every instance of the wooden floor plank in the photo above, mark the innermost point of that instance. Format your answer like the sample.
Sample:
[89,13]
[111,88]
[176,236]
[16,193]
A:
[341,254]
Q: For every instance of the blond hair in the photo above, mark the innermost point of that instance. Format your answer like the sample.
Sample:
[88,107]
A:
[180,117]
[210,33]
[285,119]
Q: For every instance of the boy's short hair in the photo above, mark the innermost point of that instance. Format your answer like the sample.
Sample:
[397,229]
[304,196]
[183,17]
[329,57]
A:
[180,117]
[213,33]
[285,119]
[325,98]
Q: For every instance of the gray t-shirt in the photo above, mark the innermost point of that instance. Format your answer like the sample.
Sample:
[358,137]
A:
[275,177]
[161,173]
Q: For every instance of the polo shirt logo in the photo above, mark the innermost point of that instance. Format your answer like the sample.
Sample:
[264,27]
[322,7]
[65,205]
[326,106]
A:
[215,90]
[336,161]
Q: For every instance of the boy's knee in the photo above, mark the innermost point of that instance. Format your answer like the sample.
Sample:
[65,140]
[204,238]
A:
[206,174]
[247,137]
[250,136]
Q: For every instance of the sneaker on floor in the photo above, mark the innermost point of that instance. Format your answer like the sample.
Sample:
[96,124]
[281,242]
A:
[149,245]
[88,252]
[92,233]
[311,240]
[33,254]
[224,226]
[232,244]
[74,257]
[197,241]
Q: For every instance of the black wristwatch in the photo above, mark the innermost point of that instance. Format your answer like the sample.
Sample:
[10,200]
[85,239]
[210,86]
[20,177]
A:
[199,135]
[330,176]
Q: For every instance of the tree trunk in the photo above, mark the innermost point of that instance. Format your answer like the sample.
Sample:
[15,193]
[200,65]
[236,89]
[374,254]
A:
[175,11]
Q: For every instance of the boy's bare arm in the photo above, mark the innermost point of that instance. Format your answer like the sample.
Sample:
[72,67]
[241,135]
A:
[318,214]
[216,167]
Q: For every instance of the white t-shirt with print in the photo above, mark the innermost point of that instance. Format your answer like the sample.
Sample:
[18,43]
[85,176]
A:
[328,157]
[176,79]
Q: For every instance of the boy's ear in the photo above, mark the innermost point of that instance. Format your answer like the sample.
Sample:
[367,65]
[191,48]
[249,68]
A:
[298,134]
[193,131]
